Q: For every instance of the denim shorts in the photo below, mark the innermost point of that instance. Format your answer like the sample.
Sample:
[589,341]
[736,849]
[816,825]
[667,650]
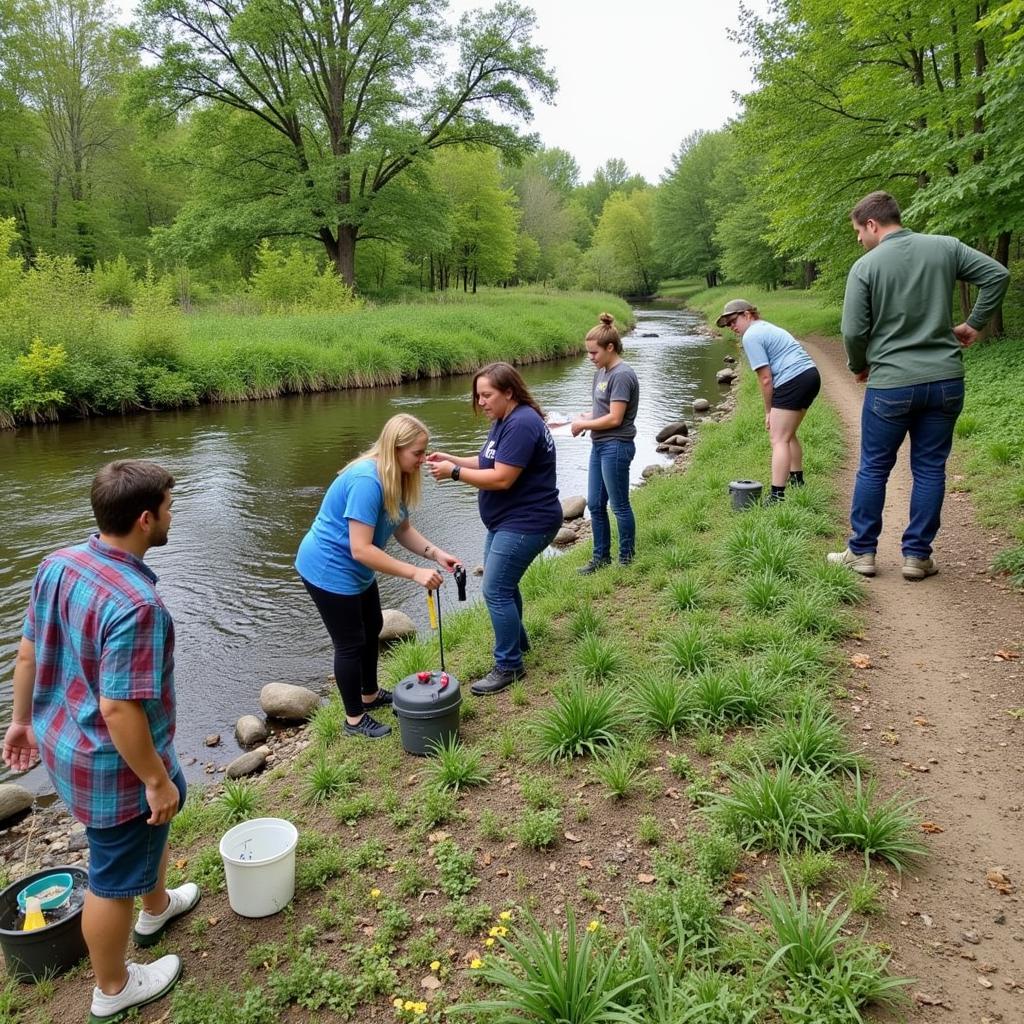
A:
[124,860]
[798,393]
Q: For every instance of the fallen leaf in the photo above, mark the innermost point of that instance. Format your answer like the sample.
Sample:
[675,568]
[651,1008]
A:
[922,721]
[502,872]
[916,767]
[213,920]
[645,879]
[181,864]
[931,828]
[586,863]
[572,838]
[1004,655]
[737,878]
[998,880]
[430,982]
[672,794]
[860,661]
[439,836]
[926,1000]
[487,859]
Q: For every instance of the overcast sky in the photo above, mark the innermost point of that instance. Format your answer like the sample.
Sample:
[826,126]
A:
[635,76]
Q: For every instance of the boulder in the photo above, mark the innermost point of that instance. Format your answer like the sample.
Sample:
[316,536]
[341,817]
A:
[678,427]
[701,405]
[726,376]
[661,448]
[13,800]
[248,764]
[649,334]
[573,508]
[729,360]
[679,440]
[675,449]
[397,625]
[648,471]
[292,703]
[565,535]
[250,730]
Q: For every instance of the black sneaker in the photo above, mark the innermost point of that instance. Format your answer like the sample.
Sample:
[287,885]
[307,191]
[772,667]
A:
[626,559]
[382,700]
[593,565]
[497,679]
[369,727]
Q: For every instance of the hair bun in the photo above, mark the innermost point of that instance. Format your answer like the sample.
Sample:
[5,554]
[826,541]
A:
[607,319]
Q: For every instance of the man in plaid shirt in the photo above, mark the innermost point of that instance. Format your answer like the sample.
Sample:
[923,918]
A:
[94,680]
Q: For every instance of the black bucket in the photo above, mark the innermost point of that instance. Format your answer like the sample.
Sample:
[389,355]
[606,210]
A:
[744,493]
[426,705]
[43,952]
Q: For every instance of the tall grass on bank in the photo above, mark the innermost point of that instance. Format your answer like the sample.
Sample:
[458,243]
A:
[798,311]
[158,357]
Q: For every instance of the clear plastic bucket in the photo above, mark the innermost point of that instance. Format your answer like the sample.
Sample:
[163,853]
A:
[259,865]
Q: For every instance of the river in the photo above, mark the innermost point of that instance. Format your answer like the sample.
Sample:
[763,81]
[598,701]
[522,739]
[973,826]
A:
[250,477]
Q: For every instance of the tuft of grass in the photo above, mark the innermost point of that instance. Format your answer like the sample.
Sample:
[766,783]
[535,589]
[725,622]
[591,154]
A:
[455,766]
[864,895]
[438,806]
[326,781]
[809,869]
[686,592]
[689,651]
[661,704]
[813,740]
[585,622]
[491,827]
[326,725]
[538,829]
[539,792]
[598,660]
[649,830]
[581,722]
[619,771]
[680,766]
[239,801]
[765,592]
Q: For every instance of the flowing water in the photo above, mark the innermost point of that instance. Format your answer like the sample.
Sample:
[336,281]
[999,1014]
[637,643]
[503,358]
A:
[250,477]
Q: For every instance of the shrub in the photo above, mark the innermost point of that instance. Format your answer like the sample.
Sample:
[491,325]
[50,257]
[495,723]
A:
[455,766]
[581,722]
[539,830]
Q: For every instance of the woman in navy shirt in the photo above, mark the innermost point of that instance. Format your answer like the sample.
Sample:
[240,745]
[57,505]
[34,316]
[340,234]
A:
[515,473]
[367,503]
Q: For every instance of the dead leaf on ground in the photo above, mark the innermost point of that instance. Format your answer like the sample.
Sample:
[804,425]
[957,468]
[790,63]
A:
[916,767]
[586,863]
[923,999]
[644,879]
[931,828]
[487,859]
[860,661]
[1004,655]
[437,837]
[997,879]
[922,721]
[181,863]
[430,982]
[892,738]
[573,838]
[672,794]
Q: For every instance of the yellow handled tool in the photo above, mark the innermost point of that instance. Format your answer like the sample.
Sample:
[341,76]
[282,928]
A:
[430,608]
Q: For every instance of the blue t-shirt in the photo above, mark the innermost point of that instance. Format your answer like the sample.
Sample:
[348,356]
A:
[771,346]
[325,554]
[531,504]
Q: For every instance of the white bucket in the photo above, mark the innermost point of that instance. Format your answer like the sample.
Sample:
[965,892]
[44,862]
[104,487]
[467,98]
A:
[259,865]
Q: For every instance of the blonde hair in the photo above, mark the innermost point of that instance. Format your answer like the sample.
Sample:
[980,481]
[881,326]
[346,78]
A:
[605,334]
[399,488]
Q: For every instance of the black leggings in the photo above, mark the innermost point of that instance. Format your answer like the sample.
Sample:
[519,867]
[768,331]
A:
[354,622]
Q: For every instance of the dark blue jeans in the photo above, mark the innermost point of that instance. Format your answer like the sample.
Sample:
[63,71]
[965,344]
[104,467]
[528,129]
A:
[507,556]
[608,484]
[927,412]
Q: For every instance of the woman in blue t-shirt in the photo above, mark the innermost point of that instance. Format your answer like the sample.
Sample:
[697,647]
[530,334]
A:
[616,395]
[515,473]
[367,503]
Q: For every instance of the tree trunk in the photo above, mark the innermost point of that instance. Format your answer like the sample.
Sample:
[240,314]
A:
[346,261]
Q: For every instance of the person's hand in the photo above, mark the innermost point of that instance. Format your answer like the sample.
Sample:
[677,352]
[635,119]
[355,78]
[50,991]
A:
[440,457]
[441,470]
[163,801]
[966,334]
[577,427]
[862,376]
[446,561]
[20,748]
[768,421]
[429,579]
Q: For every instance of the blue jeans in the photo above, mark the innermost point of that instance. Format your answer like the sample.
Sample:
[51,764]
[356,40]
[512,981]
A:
[507,556]
[608,484]
[928,413]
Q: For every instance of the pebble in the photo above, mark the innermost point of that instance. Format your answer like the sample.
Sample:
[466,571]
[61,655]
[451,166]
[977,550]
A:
[971,937]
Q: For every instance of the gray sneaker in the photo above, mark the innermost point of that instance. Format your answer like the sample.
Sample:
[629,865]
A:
[864,564]
[918,568]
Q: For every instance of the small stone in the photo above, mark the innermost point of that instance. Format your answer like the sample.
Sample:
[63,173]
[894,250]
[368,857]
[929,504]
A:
[574,507]
[701,405]
[250,731]
[248,764]
[971,937]
[14,799]
[213,740]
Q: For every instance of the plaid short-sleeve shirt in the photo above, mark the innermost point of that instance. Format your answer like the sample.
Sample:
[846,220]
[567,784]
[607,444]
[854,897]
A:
[99,629]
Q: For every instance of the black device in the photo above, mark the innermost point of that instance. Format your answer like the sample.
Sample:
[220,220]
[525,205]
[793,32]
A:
[460,581]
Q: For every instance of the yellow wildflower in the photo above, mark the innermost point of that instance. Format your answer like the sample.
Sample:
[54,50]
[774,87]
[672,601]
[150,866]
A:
[498,929]
[435,965]
[420,1008]
[374,894]
[409,1005]
[488,942]
[476,963]
[505,915]
[593,926]
[397,1002]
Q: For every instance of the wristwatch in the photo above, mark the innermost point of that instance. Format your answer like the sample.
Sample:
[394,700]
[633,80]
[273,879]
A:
[456,472]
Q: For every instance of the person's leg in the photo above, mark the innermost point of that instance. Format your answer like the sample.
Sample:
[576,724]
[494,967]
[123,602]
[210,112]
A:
[106,925]
[931,438]
[597,502]
[885,420]
[342,615]
[787,455]
[373,622]
[616,457]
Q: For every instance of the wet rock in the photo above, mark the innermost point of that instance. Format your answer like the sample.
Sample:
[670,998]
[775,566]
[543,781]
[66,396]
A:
[478,570]
[13,800]
[661,448]
[77,842]
[674,449]
[679,440]
[649,334]
[726,376]
[213,740]
[292,703]
[397,625]
[248,764]
[678,427]
[573,508]
[648,471]
[729,359]
[564,536]
[250,730]
[701,405]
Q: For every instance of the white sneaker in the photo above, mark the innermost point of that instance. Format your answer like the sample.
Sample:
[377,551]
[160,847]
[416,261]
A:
[863,564]
[149,928]
[146,984]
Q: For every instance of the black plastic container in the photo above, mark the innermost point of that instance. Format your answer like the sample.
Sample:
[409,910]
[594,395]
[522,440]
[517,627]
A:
[43,952]
[426,705]
[745,493]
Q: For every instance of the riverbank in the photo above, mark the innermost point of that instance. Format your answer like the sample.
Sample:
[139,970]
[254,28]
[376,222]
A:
[80,360]
[702,679]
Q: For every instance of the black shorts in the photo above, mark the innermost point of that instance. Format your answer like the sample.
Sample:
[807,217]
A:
[798,393]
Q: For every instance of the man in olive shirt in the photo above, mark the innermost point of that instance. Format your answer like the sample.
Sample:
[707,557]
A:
[899,337]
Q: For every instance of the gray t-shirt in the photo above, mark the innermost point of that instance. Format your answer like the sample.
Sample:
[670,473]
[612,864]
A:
[619,384]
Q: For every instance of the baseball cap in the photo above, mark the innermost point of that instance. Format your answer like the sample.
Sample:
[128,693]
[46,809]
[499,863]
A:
[734,306]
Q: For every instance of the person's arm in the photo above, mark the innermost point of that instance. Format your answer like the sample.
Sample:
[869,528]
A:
[612,418]
[992,280]
[21,750]
[364,551]
[129,731]
[465,461]
[856,325]
[765,383]
[412,540]
[500,478]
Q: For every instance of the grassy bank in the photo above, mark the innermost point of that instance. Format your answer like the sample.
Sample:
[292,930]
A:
[989,449]
[663,822]
[87,361]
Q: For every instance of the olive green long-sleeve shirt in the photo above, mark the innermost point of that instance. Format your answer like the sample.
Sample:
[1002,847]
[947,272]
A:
[898,308]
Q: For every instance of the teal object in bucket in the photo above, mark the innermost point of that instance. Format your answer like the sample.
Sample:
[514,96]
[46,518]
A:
[41,885]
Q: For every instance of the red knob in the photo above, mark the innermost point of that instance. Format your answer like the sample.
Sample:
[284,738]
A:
[423,677]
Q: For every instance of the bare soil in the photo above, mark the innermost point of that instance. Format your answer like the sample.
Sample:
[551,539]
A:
[935,716]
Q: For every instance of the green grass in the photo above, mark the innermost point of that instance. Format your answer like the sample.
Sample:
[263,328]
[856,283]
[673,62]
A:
[454,766]
[581,722]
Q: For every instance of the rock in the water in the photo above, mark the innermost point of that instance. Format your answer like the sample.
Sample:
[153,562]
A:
[679,440]
[726,376]
[250,730]
[397,625]
[649,334]
[661,448]
[478,570]
[213,739]
[701,405]
[292,703]
[729,359]
[675,449]
[678,427]
[648,471]
[564,536]
[13,800]
[573,508]
[248,764]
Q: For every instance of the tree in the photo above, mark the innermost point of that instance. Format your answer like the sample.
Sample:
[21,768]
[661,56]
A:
[623,244]
[612,176]
[331,96]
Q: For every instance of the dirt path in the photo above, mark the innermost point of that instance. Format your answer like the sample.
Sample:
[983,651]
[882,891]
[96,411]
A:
[934,716]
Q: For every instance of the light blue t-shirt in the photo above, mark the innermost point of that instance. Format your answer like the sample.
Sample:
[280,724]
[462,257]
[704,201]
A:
[771,346]
[325,555]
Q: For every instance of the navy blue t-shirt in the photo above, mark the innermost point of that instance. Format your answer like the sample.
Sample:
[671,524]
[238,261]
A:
[531,504]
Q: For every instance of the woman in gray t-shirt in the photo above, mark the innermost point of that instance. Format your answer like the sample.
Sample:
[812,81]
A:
[616,394]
